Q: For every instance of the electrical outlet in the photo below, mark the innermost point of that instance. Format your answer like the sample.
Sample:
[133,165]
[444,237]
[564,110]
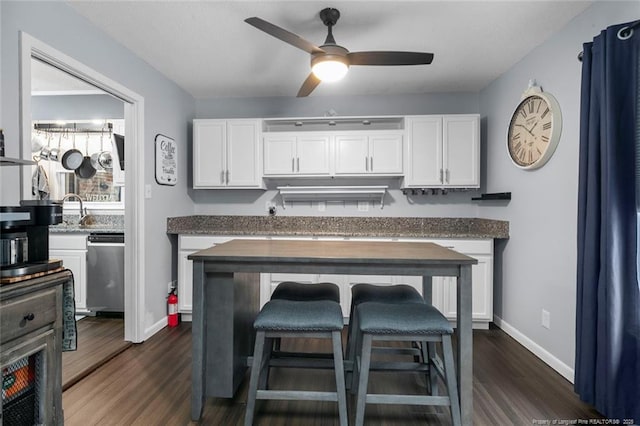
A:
[546,319]
[271,208]
[363,206]
[322,206]
[170,286]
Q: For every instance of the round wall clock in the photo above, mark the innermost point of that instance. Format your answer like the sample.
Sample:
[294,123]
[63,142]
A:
[534,129]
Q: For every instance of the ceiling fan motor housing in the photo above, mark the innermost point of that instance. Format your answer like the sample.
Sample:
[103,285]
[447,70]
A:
[331,53]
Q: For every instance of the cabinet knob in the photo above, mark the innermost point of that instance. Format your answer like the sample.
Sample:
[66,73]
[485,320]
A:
[29,317]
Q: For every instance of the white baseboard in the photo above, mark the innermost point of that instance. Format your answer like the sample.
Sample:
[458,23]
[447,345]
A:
[154,328]
[563,369]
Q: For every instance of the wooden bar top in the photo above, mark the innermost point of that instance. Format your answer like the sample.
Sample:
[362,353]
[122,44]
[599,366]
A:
[336,251]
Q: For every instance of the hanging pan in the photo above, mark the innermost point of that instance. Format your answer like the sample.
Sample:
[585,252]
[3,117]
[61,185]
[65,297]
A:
[72,158]
[86,170]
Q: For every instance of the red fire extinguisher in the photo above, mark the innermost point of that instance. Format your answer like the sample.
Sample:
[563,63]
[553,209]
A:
[172,302]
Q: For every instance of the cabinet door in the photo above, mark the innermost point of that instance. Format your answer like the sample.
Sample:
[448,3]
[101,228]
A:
[187,245]
[312,155]
[482,296]
[243,154]
[424,151]
[279,154]
[461,150]
[352,154]
[209,153]
[76,261]
[185,282]
[385,154]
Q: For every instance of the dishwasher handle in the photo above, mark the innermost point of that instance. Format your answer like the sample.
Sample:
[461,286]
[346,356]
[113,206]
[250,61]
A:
[106,238]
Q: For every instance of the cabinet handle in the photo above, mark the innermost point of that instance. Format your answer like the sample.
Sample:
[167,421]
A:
[298,161]
[293,164]
[371,168]
[29,317]
[227,177]
[222,177]
[441,173]
[366,164]
[446,174]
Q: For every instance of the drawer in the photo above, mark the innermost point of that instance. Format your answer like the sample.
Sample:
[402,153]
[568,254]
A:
[14,313]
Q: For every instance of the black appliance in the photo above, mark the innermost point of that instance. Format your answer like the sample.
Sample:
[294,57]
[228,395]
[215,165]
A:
[24,234]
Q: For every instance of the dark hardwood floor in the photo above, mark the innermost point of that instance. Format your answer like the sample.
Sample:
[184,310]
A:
[149,384]
[99,340]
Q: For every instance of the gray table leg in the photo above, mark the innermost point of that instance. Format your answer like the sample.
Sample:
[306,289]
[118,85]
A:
[427,289]
[198,347]
[465,344]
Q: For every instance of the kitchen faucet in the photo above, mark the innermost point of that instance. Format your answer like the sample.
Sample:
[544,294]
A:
[84,216]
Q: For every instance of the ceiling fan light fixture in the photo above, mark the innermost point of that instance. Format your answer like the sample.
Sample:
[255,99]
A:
[330,69]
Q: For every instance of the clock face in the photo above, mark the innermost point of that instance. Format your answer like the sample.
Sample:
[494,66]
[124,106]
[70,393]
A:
[532,135]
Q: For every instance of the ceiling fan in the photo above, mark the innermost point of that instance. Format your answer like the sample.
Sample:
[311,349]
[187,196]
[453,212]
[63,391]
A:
[330,61]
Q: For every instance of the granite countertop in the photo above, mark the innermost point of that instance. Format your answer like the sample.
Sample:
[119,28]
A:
[99,223]
[417,227]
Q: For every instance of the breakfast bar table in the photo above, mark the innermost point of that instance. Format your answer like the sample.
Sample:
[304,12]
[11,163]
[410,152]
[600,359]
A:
[226,299]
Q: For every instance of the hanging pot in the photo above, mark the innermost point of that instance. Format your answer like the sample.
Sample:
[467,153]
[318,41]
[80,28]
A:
[44,152]
[72,158]
[86,170]
[95,163]
[55,154]
[105,160]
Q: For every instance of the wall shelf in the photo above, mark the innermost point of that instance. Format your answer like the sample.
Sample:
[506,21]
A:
[333,193]
[493,196]
[8,161]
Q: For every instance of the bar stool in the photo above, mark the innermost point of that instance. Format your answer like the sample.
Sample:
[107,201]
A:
[293,290]
[296,319]
[363,292]
[404,322]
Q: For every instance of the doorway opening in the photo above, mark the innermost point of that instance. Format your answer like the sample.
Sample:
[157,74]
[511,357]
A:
[134,265]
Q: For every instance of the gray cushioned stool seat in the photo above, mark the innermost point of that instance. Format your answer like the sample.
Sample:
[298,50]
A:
[398,319]
[293,315]
[291,290]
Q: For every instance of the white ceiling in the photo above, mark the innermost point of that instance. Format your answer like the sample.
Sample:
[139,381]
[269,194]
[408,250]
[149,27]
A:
[208,49]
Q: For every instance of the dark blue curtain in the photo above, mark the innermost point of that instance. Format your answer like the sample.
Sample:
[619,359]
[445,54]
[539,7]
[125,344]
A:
[607,371]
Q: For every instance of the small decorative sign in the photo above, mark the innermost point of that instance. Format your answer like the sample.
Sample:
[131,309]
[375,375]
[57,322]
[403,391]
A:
[166,160]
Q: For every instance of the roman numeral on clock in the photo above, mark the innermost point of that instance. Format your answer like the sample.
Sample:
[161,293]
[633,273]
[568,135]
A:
[546,126]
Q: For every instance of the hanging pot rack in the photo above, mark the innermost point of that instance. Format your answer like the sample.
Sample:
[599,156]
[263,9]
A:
[74,127]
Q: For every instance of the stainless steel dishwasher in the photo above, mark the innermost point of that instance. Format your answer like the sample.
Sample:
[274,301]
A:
[105,274]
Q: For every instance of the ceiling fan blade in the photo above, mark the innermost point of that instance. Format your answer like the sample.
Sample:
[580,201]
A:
[307,87]
[389,58]
[284,35]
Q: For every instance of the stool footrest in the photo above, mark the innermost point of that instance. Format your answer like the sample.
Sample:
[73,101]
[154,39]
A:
[395,351]
[291,395]
[294,362]
[407,399]
[284,354]
[408,367]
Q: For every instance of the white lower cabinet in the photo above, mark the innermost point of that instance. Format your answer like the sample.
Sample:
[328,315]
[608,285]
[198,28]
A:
[443,288]
[72,250]
[188,244]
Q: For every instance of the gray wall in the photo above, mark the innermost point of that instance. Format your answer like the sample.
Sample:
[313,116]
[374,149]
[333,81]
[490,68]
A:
[539,261]
[168,109]
[76,107]
[253,202]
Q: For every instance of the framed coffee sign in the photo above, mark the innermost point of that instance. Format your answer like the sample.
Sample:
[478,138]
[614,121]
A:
[166,160]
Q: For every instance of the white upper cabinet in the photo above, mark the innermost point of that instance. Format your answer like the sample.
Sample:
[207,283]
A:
[368,153]
[226,154]
[443,151]
[287,154]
